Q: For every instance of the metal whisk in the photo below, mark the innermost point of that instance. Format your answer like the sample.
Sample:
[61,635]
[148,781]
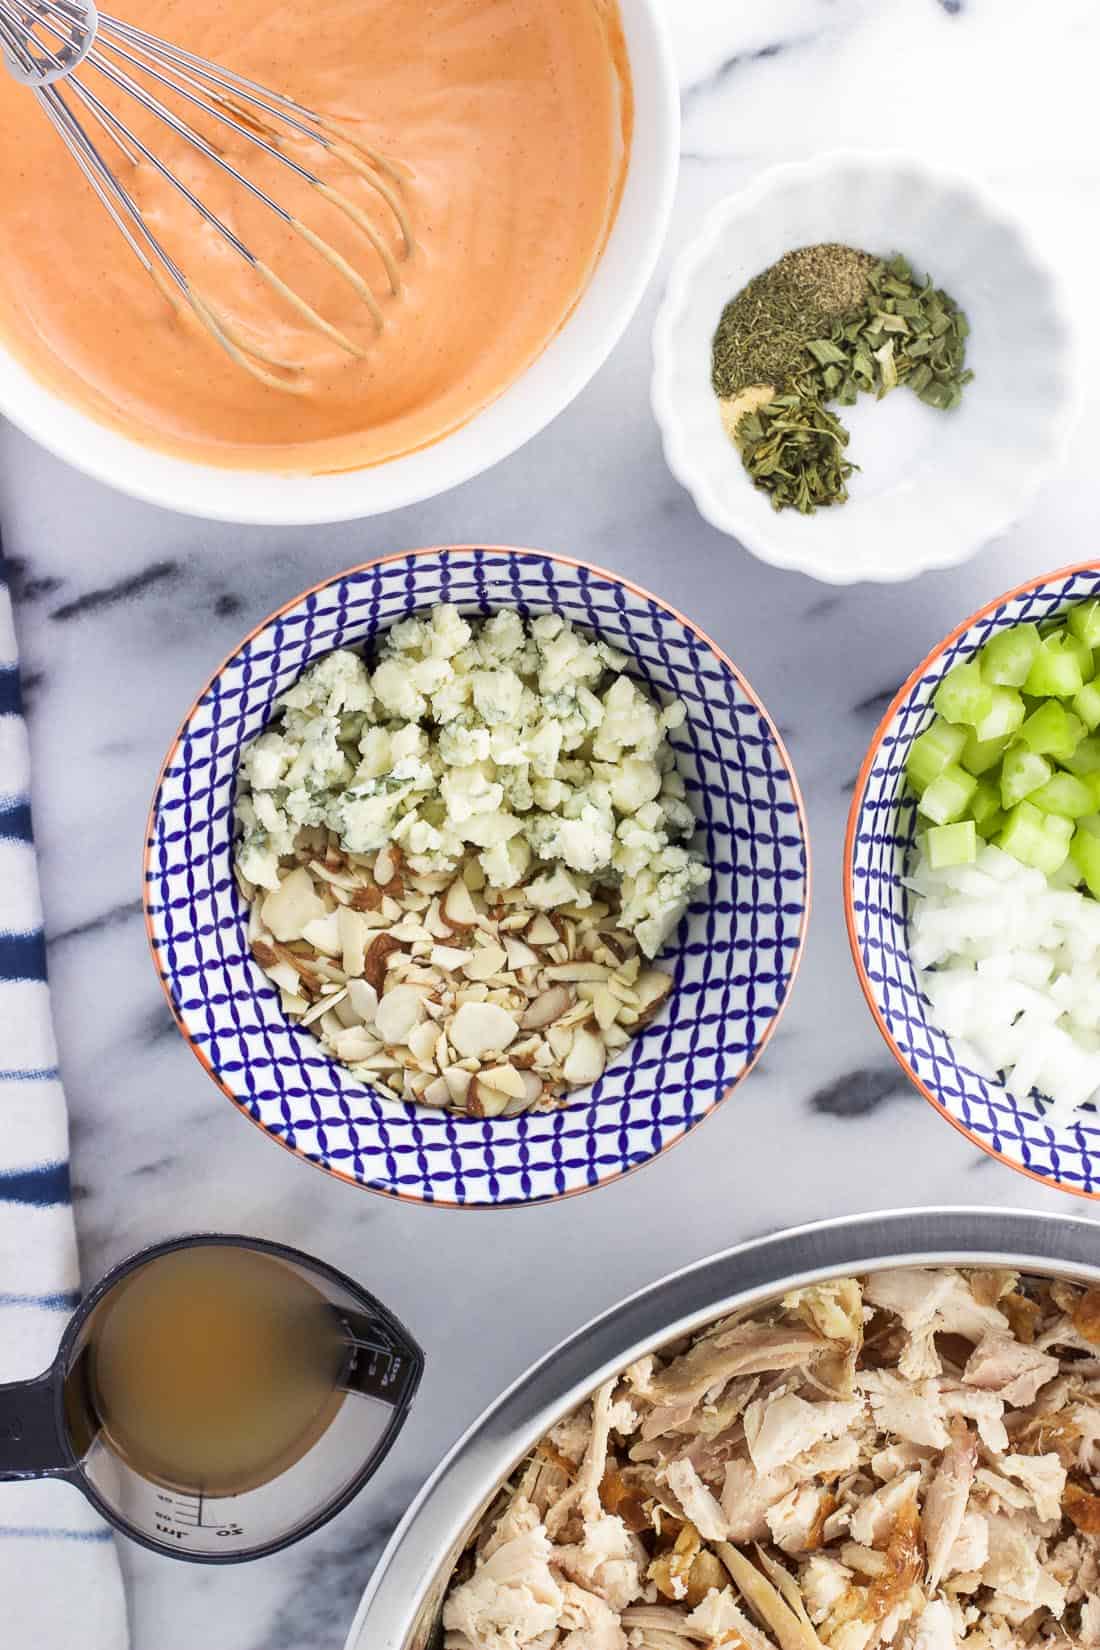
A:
[45,42]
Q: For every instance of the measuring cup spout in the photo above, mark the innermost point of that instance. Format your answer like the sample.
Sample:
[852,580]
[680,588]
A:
[32,1444]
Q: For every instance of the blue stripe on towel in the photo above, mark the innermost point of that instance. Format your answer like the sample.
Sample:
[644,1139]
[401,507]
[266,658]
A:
[66,1300]
[44,1186]
[23,956]
[10,702]
[29,1074]
[42,1532]
[15,820]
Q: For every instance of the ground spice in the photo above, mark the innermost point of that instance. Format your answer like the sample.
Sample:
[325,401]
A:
[763,331]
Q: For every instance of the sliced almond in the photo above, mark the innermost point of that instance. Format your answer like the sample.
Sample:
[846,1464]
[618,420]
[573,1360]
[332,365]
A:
[422,1040]
[287,909]
[586,1059]
[321,1007]
[436,923]
[479,1028]
[541,931]
[437,1093]
[355,936]
[652,988]
[560,1039]
[519,955]
[458,1082]
[572,971]
[410,929]
[376,961]
[457,907]
[547,1007]
[532,1088]
[506,1078]
[386,866]
[335,878]
[323,933]
[284,976]
[483,1101]
[606,1007]
[366,899]
[449,957]
[264,954]
[399,1011]
[485,962]
[353,1044]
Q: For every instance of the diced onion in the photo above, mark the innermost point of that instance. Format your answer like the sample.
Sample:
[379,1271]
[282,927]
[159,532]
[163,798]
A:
[1011,968]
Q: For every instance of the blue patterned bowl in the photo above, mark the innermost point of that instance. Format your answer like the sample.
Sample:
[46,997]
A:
[881,827]
[734,958]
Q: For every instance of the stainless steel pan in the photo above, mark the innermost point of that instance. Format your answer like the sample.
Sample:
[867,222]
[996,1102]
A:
[400,1608]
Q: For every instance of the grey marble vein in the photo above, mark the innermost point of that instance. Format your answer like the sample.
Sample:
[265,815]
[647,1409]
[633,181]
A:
[92,601]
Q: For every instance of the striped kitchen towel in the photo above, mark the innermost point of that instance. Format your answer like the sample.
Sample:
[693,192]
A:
[60,1584]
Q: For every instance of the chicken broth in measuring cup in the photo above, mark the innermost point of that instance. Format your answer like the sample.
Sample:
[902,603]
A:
[211,1370]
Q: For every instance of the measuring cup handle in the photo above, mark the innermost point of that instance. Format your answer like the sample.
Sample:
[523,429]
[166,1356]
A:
[31,1441]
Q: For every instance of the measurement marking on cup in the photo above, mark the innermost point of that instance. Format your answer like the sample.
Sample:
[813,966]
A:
[182,1514]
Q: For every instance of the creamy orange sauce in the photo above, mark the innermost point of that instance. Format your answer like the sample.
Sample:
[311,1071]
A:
[513,119]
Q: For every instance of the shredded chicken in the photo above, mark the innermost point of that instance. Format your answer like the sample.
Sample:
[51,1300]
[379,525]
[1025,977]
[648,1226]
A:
[910,1459]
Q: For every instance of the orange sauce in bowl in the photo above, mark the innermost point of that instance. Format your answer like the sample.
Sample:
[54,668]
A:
[511,123]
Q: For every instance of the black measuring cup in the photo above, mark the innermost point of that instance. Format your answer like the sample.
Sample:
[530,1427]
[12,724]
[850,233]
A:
[49,1427]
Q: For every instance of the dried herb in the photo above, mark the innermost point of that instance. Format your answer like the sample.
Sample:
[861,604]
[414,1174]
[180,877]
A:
[825,324]
[793,448]
[911,333]
[762,332]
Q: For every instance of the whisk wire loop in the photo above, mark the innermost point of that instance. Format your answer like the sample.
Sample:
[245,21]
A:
[44,42]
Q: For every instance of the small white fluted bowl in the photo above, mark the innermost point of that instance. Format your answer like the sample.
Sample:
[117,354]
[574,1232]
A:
[933,487]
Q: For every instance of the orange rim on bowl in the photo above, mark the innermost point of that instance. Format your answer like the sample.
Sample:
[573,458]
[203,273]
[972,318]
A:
[858,797]
[410,558]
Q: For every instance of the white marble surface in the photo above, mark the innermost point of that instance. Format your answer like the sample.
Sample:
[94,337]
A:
[123,611]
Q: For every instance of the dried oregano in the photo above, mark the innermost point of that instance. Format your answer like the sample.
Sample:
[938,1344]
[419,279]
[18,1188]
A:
[900,331]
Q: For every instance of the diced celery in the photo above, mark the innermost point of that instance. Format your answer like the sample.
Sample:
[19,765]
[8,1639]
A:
[979,755]
[1037,839]
[1068,874]
[1052,730]
[962,696]
[1004,715]
[1092,780]
[1084,622]
[946,798]
[1063,794]
[1085,757]
[984,803]
[931,751]
[1087,704]
[993,823]
[1085,851]
[1056,668]
[1022,772]
[1083,654]
[952,845]
[1006,658]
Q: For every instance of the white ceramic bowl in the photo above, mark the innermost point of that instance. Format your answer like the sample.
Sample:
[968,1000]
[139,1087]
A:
[933,487]
[548,385]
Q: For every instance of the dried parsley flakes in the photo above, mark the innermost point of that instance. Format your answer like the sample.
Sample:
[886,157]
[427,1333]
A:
[824,324]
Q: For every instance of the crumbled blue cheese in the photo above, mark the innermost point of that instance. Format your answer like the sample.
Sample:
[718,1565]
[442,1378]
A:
[525,743]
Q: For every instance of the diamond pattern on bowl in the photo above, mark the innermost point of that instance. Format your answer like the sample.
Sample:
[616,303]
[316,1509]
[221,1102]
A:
[734,958]
[881,830]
